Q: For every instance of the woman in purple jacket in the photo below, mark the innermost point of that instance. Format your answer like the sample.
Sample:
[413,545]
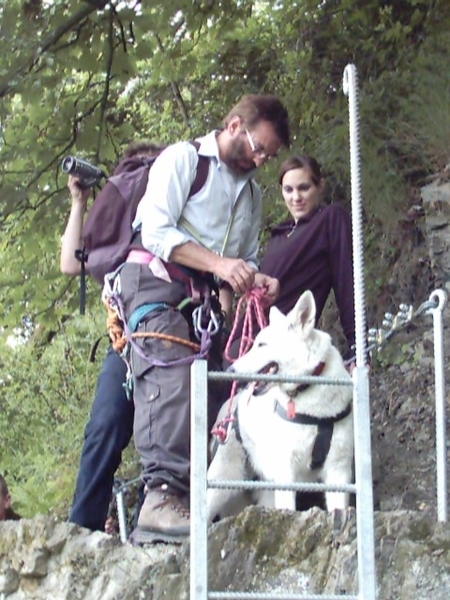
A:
[312,250]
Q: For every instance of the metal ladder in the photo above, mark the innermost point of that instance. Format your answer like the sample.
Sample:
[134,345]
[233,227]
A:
[362,489]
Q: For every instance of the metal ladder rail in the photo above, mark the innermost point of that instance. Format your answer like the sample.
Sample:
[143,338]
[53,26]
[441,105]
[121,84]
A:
[199,525]
[361,403]
[440,297]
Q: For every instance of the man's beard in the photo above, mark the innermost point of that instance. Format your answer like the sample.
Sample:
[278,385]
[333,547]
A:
[237,159]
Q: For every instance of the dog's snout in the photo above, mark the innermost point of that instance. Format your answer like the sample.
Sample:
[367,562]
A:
[240,384]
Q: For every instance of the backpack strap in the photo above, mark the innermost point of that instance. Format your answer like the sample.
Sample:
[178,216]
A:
[81,255]
[197,184]
[202,170]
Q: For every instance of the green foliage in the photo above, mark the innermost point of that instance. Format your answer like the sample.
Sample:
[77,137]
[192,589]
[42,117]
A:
[87,77]
[46,388]
[407,354]
[425,131]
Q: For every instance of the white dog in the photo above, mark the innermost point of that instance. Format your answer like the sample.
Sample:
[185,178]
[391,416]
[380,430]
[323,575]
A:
[287,432]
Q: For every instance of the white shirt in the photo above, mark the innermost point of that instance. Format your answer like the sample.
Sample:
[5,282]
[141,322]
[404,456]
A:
[208,212]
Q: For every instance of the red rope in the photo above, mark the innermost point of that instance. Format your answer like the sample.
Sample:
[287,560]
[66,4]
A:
[254,301]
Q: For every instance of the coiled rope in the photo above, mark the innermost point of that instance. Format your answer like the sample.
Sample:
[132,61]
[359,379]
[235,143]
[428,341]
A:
[119,339]
[114,326]
[253,301]
[254,307]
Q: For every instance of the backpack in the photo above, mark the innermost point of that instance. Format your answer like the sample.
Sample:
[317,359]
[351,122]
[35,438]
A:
[107,232]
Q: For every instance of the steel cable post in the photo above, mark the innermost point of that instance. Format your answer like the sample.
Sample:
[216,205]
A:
[439,379]
[363,460]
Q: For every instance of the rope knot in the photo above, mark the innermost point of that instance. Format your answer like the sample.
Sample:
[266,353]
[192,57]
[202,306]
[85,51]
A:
[223,428]
[114,326]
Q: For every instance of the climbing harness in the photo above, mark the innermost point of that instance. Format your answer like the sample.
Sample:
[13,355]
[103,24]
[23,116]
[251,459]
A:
[124,335]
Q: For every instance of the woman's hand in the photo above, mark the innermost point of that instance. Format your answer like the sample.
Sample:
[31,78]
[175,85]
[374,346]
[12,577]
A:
[270,285]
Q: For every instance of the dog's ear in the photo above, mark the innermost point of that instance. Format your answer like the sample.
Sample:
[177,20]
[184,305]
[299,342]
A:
[276,317]
[304,313]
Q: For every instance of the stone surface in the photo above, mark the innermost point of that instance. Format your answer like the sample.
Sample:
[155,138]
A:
[258,551]
[282,552]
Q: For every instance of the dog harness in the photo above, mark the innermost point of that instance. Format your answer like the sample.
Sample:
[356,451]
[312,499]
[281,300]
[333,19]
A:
[325,428]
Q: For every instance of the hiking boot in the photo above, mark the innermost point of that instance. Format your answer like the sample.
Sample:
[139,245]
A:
[163,518]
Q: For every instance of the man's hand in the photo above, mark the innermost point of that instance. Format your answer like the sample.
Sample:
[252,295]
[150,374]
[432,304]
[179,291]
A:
[234,271]
[237,273]
[270,285]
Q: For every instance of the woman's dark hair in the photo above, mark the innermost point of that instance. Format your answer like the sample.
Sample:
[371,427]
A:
[301,162]
[143,147]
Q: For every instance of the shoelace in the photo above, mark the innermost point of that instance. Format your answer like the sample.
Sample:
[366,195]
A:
[175,504]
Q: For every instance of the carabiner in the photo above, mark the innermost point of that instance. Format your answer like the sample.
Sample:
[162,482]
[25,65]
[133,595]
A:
[197,318]
[214,323]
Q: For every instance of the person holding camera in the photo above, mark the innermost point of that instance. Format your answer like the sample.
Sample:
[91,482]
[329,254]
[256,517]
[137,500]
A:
[110,425]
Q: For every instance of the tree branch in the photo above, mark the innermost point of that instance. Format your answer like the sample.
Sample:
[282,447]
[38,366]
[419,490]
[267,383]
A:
[105,94]
[176,90]
[53,38]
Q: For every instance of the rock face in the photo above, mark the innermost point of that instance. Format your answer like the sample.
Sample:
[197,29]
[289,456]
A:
[44,559]
[436,202]
[402,395]
[277,552]
[272,552]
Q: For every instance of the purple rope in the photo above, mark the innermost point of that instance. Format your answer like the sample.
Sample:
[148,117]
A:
[205,343]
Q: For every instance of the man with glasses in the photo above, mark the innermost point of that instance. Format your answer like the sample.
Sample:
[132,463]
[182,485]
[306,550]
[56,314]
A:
[212,236]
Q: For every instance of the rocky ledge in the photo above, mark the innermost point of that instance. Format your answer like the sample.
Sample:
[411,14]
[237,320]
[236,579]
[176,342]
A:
[309,552]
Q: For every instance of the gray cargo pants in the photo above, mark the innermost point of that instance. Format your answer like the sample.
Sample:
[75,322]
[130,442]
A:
[162,394]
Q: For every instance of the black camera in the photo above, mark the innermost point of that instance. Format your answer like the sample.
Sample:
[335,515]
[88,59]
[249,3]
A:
[89,175]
